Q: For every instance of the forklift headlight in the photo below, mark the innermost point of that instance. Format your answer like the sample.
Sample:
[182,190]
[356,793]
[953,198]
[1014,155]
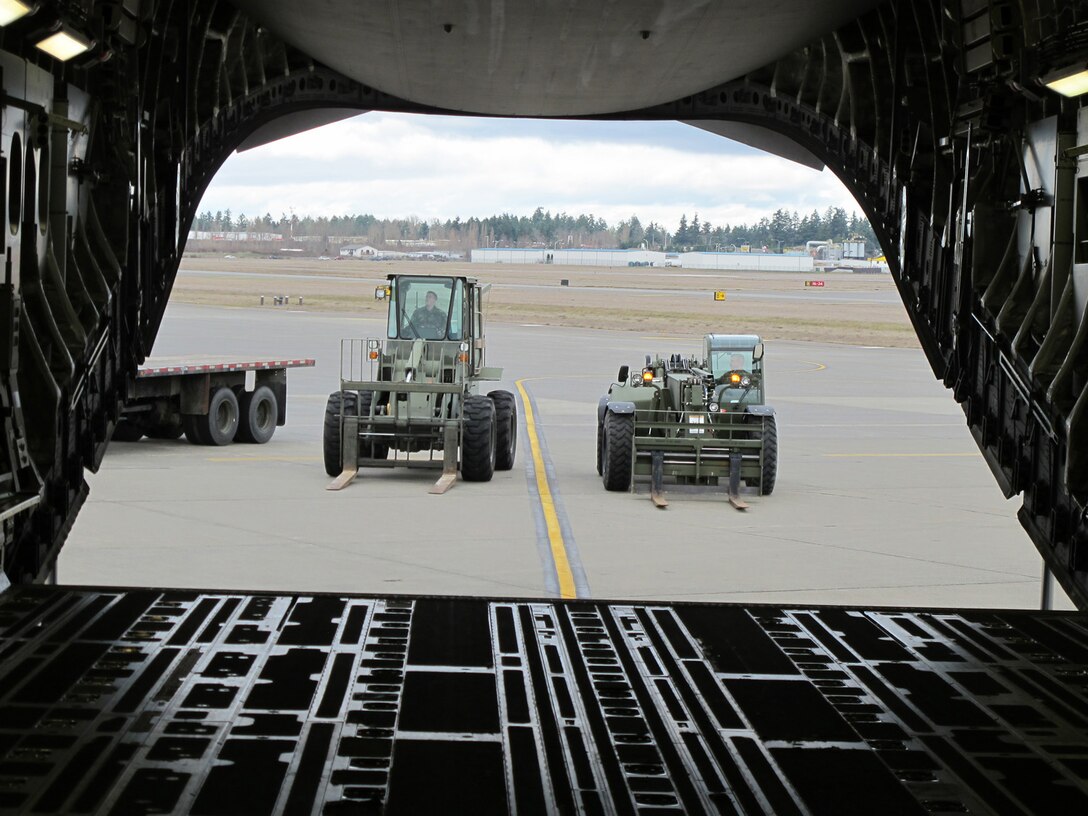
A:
[372,344]
[745,382]
[647,375]
[714,407]
[463,347]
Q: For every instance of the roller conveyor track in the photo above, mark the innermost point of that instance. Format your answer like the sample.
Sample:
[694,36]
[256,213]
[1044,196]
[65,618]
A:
[147,701]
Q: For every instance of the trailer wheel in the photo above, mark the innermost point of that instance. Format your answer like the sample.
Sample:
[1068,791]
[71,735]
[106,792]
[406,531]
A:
[126,431]
[331,436]
[193,426]
[478,439]
[770,457]
[506,428]
[257,413]
[619,433]
[219,425]
[370,450]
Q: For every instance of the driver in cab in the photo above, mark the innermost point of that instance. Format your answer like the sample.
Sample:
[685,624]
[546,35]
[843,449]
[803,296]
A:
[428,320]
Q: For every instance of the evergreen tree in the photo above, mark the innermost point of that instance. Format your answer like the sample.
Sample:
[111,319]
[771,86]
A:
[681,236]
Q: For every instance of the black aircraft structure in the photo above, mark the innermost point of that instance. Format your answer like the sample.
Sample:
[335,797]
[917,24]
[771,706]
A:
[960,126]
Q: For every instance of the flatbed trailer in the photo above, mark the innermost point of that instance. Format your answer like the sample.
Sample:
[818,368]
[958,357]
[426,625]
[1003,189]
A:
[212,400]
[134,701]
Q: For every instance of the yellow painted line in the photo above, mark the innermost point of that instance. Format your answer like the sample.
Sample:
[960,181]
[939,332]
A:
[547,504]
[894,455]
[818,366]
[264,459]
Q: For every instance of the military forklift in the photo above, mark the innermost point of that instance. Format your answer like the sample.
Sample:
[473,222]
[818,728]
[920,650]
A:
[411,399]
[698,421]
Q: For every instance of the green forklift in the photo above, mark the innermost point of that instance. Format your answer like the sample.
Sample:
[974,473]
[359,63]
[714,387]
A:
[697,421]
[412,398]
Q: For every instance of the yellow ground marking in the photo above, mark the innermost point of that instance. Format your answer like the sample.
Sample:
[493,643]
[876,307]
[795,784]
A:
[816,366]
[895,455]
[547,503]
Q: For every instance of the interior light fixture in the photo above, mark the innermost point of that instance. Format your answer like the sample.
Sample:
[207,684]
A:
[64,43]
[12,10]
[1071,81]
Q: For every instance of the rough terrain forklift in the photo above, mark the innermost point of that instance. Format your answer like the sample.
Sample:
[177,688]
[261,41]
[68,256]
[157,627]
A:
[697,421]
[411,399]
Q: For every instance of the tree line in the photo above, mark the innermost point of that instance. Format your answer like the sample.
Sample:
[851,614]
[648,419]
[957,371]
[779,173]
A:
[780,231]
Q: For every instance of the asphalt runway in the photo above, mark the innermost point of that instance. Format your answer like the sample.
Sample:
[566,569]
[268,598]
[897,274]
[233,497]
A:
[882,497]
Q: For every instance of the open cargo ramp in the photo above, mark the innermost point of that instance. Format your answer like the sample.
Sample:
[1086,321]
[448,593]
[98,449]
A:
[152,701]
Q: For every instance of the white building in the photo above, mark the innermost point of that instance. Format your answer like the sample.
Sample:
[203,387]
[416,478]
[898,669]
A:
[358,251]
[760,261]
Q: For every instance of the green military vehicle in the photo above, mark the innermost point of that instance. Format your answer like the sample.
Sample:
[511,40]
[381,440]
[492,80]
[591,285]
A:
[415,391]
[699,421]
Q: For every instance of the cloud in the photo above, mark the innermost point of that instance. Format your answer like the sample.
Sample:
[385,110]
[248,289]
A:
[394,165]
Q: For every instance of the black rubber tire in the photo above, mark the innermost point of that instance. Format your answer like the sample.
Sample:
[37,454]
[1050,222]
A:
[619,432]
[375,451]
[257,415]
[602,409]
[506,429]
[220,424]
[193,426]
[770,456]
[126,431]
[478,439]
[331,434]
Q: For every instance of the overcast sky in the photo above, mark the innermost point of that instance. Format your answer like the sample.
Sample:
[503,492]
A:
[399,165]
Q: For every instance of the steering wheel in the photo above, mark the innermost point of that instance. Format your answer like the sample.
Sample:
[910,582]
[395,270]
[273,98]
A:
[416,334]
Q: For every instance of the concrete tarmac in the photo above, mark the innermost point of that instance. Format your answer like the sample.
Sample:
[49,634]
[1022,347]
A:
[882,496]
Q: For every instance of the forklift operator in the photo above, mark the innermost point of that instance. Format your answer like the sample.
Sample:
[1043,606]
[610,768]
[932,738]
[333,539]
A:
[428,320]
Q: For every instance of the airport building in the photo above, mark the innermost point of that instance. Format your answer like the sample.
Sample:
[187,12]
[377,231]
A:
[758,261]
[358,251]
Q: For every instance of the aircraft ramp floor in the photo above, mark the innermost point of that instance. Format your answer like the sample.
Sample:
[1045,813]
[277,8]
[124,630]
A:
[166,701]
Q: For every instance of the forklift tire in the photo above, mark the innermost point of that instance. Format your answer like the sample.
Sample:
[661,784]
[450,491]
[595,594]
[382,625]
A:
[219,425]
[619,432]
[478,439]
[374,450]
[600,449]
[506,429]
[257,415]
[126,431]
[770,457]
[331,435]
